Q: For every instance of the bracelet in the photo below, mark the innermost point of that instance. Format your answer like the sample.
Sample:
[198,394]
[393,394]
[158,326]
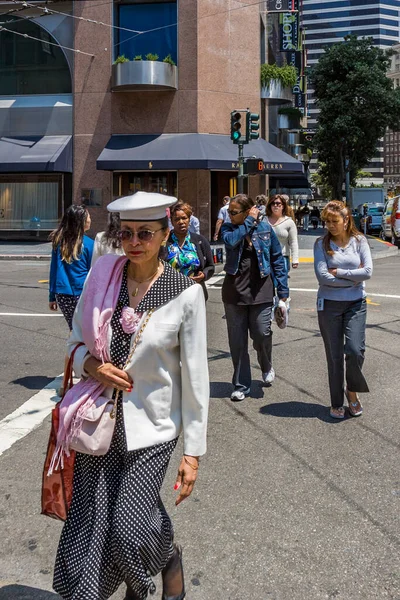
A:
[194,467]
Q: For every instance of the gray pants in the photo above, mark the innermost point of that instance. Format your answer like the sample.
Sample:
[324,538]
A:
[342,326]
[241,320]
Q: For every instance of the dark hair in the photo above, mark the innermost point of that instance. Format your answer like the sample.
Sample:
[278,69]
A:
[183,206]
[113,227]
[261,199]
[282,198]
[337,207]
[69,234]
[245,202]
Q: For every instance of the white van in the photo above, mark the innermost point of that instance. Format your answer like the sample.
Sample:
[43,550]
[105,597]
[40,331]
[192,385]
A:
[390,230]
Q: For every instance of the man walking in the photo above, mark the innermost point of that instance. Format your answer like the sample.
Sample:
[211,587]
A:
[223,216]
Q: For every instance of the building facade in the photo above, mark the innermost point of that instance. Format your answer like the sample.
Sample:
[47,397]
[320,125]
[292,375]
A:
[126,95]
[392,138]
[329,22]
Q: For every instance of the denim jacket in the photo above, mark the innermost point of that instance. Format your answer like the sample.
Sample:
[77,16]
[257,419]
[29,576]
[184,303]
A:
[265,243]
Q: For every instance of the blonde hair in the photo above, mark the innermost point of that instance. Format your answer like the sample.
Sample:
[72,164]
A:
[337,207]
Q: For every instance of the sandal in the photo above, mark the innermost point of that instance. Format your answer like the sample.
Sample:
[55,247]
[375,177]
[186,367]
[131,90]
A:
[355,408]
[337,412]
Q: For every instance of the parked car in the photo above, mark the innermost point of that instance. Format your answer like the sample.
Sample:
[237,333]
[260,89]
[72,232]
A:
[373,217]
[390,226]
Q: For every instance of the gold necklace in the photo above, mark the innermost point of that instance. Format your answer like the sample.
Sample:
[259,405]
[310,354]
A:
[136,291]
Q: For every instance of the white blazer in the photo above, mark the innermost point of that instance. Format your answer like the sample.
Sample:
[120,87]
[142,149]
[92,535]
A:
[169,371]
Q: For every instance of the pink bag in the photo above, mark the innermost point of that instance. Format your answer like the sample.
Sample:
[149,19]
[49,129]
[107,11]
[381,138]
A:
[96,433]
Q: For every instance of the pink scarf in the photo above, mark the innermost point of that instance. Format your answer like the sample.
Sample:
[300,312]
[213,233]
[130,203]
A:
[101,296]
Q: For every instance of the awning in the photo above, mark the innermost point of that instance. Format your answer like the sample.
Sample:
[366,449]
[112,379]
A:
[36,154]
[170,151]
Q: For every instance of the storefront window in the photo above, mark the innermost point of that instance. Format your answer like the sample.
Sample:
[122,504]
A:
[130,183]
[29,205]
[162,17]
[30,66]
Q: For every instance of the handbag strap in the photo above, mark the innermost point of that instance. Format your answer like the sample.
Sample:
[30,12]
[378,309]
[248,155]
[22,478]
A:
[68,380]
[138,337]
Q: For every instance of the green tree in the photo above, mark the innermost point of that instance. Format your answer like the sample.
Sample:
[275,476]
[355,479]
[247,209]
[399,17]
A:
[357,102]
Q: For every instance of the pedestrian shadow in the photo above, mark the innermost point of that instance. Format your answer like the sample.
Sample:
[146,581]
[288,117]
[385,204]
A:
[298,410]
[222,389]
[24,592]
[33,382]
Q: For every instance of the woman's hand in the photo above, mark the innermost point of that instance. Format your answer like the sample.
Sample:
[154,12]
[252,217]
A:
[53,305]
[199,277]
[108,374]
[295,265]
[332,272]
[187,475]
[254,212]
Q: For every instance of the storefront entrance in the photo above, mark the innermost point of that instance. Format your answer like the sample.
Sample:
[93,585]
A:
[148,181]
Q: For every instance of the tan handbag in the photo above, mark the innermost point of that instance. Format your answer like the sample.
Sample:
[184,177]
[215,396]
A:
[98,425]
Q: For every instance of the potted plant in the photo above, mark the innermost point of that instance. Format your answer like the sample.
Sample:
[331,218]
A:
[277,83]
[146,73]
[289,117]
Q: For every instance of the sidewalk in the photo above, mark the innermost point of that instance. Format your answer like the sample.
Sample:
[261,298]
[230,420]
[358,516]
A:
[42,251]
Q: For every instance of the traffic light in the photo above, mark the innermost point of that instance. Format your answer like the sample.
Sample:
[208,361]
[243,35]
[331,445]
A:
[254,166]
[252,126]
[236,127]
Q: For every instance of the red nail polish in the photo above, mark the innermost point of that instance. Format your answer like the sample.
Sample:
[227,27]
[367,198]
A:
[176,486]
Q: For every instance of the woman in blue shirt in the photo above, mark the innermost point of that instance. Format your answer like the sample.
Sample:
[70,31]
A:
[342,263]
[71,258]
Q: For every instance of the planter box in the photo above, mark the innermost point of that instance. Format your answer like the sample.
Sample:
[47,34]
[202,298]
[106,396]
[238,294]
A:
[143,75]
[275,93]
[289,122]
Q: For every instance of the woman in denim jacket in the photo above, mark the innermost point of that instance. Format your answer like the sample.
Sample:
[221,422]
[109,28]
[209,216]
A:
[253,252]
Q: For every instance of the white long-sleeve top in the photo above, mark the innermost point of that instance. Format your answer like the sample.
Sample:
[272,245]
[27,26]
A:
[354,267]
[286,231]
[169,369]
[101,247]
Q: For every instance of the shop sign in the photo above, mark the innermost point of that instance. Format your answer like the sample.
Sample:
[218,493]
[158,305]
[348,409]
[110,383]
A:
[289,29]
[279,5]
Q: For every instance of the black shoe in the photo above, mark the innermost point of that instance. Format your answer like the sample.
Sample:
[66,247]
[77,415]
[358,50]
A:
[173,568]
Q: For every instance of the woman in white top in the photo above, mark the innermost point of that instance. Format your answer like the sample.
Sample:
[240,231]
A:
[117,529]
[107,242]
[278,215]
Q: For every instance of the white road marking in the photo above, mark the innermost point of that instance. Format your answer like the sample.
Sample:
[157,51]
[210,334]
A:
[368,293]
[30,315]
[29,416]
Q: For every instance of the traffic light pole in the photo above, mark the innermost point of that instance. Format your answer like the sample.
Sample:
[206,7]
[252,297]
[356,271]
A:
[241,168]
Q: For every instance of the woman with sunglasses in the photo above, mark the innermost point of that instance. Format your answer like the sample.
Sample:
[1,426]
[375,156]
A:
[117,529]
[188,252]
[278,214]
[253,252]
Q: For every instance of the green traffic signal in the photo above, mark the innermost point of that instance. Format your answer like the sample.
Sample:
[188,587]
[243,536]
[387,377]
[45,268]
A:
[252,126]
[236,125]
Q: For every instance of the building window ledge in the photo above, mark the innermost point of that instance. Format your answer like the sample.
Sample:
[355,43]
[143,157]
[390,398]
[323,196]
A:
[276,93]
[144,75]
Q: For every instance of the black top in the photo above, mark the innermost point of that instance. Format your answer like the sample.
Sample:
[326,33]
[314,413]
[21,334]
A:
[247,287]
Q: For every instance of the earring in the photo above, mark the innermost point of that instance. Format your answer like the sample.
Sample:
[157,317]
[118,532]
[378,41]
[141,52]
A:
[163,243]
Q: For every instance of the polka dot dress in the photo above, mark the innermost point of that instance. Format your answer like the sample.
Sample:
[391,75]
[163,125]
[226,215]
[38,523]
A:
[117,528]
[67,304]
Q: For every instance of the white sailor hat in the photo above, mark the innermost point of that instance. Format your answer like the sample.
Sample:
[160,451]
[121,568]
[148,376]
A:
[142,206]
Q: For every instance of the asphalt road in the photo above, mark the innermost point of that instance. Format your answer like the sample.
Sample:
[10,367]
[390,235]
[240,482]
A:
[289,505]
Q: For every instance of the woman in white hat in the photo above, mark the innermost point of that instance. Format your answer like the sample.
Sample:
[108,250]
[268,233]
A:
[117,528]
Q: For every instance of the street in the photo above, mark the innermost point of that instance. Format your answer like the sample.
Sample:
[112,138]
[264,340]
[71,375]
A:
[289,505]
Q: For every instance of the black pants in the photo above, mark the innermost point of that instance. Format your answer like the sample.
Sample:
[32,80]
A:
[241,320]
[342,326]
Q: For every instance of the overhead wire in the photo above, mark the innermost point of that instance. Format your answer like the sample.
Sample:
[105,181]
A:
[30,37]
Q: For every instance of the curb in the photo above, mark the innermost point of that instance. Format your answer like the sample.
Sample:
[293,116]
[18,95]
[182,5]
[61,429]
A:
[25,257]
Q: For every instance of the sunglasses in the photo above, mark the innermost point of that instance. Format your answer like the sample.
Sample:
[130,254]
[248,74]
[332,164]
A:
[144,235]
[233,213]
[276,204]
